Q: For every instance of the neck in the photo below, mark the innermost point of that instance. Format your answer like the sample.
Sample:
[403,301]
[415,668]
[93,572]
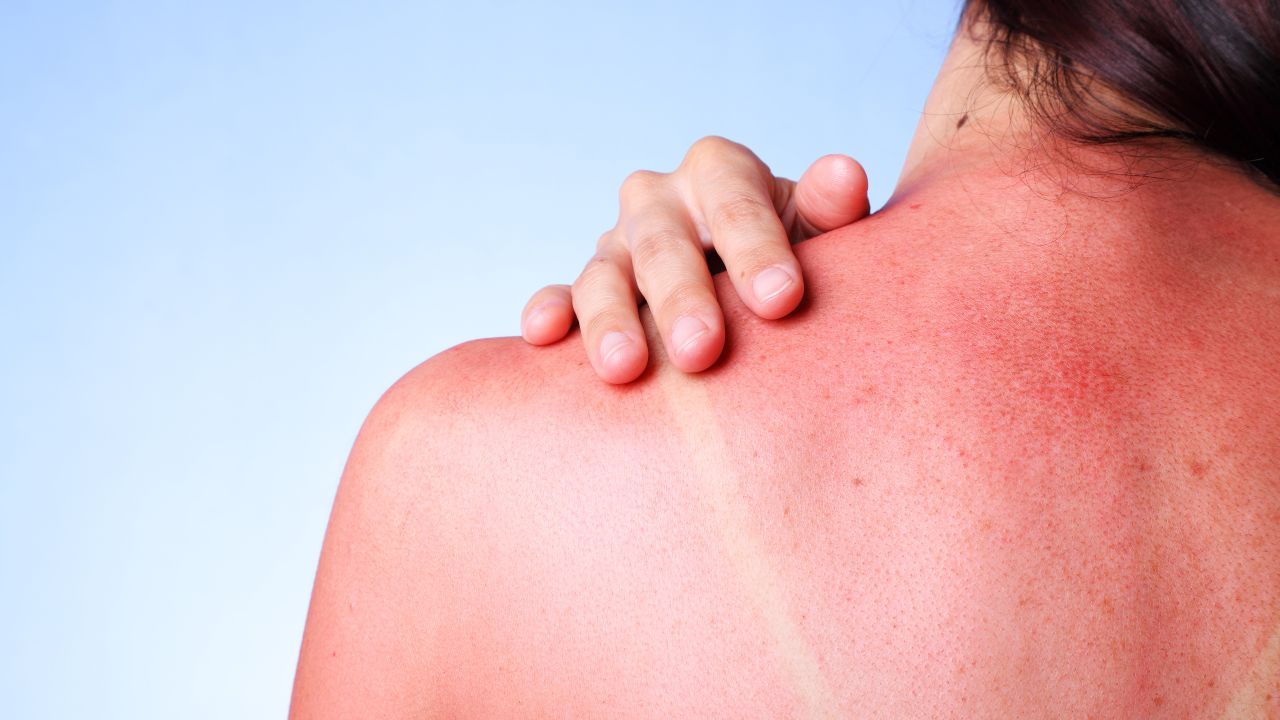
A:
[976,149]
[962,118]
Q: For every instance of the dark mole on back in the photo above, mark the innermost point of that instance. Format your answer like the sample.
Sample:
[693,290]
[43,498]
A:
[963,119]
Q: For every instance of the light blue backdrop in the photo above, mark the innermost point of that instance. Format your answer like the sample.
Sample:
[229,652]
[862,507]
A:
[225,229]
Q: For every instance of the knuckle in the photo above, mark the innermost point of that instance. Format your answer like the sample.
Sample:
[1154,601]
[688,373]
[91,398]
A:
[655,246]
[712,155]
[640,183]
[711,145]
[593,276]
[738,209]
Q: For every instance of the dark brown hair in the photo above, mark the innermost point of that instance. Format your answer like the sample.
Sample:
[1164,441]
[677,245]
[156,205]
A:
[1204,72]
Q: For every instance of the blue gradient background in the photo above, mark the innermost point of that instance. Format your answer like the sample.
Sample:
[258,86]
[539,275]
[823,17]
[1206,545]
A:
[226,228]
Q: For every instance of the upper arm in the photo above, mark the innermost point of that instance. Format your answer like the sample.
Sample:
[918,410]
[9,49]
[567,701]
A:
[403,620]
[372,644]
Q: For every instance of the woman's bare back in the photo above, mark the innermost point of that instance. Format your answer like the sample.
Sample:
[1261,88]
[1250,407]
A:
[1013,458]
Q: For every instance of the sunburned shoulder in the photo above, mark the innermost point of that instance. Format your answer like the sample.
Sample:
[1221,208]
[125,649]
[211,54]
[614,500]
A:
[473,371]
[494,375]
[449,396]
[497,483]
[506,370]
[503,391]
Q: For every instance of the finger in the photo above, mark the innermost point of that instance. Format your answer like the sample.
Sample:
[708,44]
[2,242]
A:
[832,193]
[547,316]
[671,272]
[604,299]
[733,194]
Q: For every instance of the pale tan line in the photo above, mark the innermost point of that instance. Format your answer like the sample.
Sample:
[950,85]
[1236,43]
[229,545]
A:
[691,408]
[1263,682]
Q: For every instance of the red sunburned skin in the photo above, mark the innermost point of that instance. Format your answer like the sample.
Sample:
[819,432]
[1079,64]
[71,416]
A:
[991,468]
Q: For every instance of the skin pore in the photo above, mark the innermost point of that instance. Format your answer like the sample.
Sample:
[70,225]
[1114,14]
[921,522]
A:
[1017,455]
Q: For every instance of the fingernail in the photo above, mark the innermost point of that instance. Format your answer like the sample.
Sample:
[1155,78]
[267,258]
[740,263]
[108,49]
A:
[770,282]
[685,331]
[611,344]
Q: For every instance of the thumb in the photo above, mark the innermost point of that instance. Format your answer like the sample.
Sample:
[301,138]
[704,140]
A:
[832,193]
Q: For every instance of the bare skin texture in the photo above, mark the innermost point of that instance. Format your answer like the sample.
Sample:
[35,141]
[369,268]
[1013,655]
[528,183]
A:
[1016,455]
